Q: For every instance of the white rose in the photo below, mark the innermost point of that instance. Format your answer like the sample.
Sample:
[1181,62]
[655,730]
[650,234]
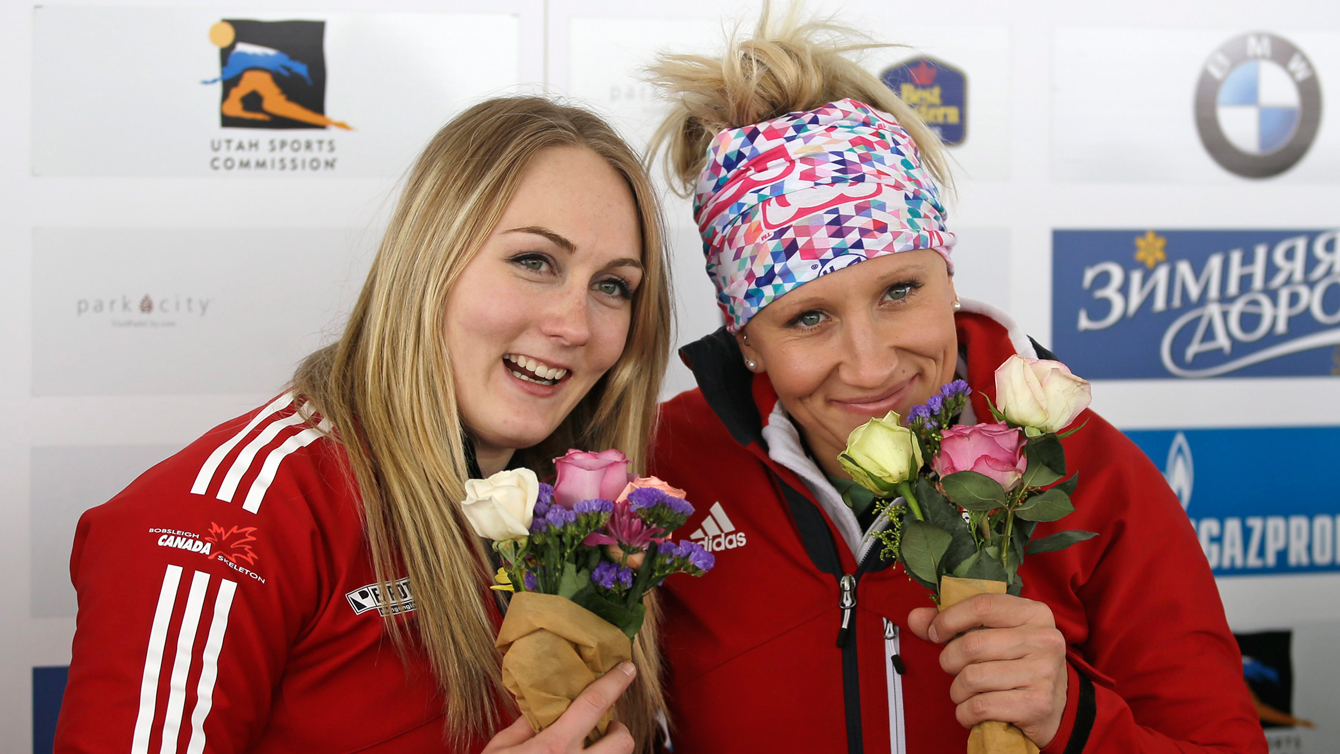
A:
[501,506]
[881,453]
[1039,393]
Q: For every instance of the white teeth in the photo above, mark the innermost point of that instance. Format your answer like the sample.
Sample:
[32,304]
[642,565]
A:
[561,374]
[546,374]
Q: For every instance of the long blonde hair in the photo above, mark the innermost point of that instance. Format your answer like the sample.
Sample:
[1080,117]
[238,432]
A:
[788,64]
[386,388]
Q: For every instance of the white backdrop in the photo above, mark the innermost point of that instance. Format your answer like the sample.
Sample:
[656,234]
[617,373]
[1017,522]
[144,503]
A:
[148,292]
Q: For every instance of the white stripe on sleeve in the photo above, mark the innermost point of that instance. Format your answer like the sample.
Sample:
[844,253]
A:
[206,474]
[181,666]
[204,693]
[272,461]
[248,454]
[153,660]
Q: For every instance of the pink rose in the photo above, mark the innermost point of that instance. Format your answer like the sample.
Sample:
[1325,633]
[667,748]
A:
[588,476]
[653,483]
[993,450]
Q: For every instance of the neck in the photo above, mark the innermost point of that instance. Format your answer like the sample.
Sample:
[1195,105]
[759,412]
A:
[491,460]
[827,458]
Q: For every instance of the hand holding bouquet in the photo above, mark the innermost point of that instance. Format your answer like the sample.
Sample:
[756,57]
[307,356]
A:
[579,557]
[964,500]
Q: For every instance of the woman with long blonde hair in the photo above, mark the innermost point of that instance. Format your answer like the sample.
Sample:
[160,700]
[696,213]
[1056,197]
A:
[302,577]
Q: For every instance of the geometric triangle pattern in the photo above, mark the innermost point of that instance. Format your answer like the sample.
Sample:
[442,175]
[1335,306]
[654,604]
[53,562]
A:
[785,201]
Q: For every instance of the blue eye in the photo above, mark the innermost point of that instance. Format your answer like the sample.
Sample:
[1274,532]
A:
[807,320]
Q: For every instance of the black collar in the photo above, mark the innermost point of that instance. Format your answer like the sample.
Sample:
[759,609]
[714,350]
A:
[728,387]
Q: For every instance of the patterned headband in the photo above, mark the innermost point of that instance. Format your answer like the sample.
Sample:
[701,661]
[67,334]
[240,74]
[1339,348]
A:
[785,201]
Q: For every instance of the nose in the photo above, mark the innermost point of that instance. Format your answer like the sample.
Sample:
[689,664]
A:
[565,317]
[867,361]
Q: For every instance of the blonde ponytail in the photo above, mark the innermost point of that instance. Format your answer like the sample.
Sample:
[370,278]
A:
[787,65]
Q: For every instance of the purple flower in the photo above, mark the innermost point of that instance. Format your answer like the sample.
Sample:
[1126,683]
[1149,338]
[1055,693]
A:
[607,575]
[541,508]
[546,495]
[593,506]
[625,529]
[935,403]
[538,524]
[529,581]
[697,556]
[645,497]
[918,412]
[558,516]
[955,388]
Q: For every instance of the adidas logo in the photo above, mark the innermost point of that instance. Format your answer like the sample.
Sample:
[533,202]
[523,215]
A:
[717,532]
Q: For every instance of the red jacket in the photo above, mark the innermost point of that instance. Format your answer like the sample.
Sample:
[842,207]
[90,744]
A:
[757,656]
[227,604]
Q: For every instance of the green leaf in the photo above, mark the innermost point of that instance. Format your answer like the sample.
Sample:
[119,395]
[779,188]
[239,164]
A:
[1046,506]
[937,509]
[961,570]
[1016,587]
[572,580]
[923,546]
[987,566]
[1038,474]
[1069,485]
[1059,541]
[961,547]
[1048,451]
[976,492]
[995,412]
[626,619]
[1064,435]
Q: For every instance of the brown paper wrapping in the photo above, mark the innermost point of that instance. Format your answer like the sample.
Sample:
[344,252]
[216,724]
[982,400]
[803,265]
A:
[552,650]
[989,737]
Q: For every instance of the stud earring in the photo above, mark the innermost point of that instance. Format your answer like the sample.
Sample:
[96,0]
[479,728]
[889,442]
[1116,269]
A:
[957,305]
[751,365]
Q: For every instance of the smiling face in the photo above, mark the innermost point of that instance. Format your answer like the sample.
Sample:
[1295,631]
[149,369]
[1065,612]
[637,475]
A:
[543,311]
[856,343]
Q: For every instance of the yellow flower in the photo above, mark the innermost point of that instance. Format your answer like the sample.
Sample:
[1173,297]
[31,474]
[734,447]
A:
[504,582]
[880,454]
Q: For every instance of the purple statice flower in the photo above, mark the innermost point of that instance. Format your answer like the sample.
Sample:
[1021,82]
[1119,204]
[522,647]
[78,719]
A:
[697,557]
[918,412]
[625,577]
[646,497]
[529,581]
[955,388]
[593,506]
[538,524]
[558,516]
[546,495]
[935,403]
[668,550]
[541,508]
[604,574]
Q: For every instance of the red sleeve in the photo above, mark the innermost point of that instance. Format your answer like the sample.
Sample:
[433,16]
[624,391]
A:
[1159,670]
[188,604]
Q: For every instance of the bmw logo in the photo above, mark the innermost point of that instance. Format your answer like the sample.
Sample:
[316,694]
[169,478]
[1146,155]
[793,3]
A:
[1258,105]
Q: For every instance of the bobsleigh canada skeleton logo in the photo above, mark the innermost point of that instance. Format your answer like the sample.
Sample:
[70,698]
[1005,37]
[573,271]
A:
[937,91]
[1194,304]
[1258,105]
[232,544]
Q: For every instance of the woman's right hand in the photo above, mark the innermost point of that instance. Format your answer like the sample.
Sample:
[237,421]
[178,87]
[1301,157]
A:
[568,732]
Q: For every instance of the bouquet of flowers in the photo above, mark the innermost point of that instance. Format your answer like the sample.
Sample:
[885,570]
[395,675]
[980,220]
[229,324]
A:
[579,557]
[963,501]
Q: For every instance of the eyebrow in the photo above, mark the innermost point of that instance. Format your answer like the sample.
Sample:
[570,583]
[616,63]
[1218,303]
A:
[568,246]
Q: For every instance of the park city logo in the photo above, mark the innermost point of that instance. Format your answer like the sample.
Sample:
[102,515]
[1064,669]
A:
[1197,303]
[937,91]
[273,76]
[1258,105]
[148,310]
[717,533]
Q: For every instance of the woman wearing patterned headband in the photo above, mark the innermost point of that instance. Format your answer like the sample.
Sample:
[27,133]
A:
[815,194]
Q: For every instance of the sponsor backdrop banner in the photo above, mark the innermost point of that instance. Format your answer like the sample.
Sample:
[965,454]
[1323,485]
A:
[1152,194]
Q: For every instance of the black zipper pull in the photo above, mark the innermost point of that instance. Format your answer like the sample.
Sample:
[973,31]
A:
[895,659]
[847,603]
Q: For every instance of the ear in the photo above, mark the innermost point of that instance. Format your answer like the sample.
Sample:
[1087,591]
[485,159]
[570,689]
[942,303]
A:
[749,352]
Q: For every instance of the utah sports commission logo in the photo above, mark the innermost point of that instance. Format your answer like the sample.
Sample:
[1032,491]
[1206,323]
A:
[1258,105]
[273,74]
[937,91]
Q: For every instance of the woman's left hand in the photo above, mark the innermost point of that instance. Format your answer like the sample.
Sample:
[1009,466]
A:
[1011,669]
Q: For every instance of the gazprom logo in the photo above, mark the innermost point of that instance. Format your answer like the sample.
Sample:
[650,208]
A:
[1179,470]
[1193,304]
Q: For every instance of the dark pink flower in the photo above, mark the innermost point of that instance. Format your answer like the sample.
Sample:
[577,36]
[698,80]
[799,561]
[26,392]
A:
[993,450]
[587,476]
[625,529]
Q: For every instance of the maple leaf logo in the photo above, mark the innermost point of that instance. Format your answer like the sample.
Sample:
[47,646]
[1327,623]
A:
[233,543]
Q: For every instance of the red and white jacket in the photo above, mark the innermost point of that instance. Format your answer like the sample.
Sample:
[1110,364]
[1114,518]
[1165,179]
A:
[796,641]
[227,603]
